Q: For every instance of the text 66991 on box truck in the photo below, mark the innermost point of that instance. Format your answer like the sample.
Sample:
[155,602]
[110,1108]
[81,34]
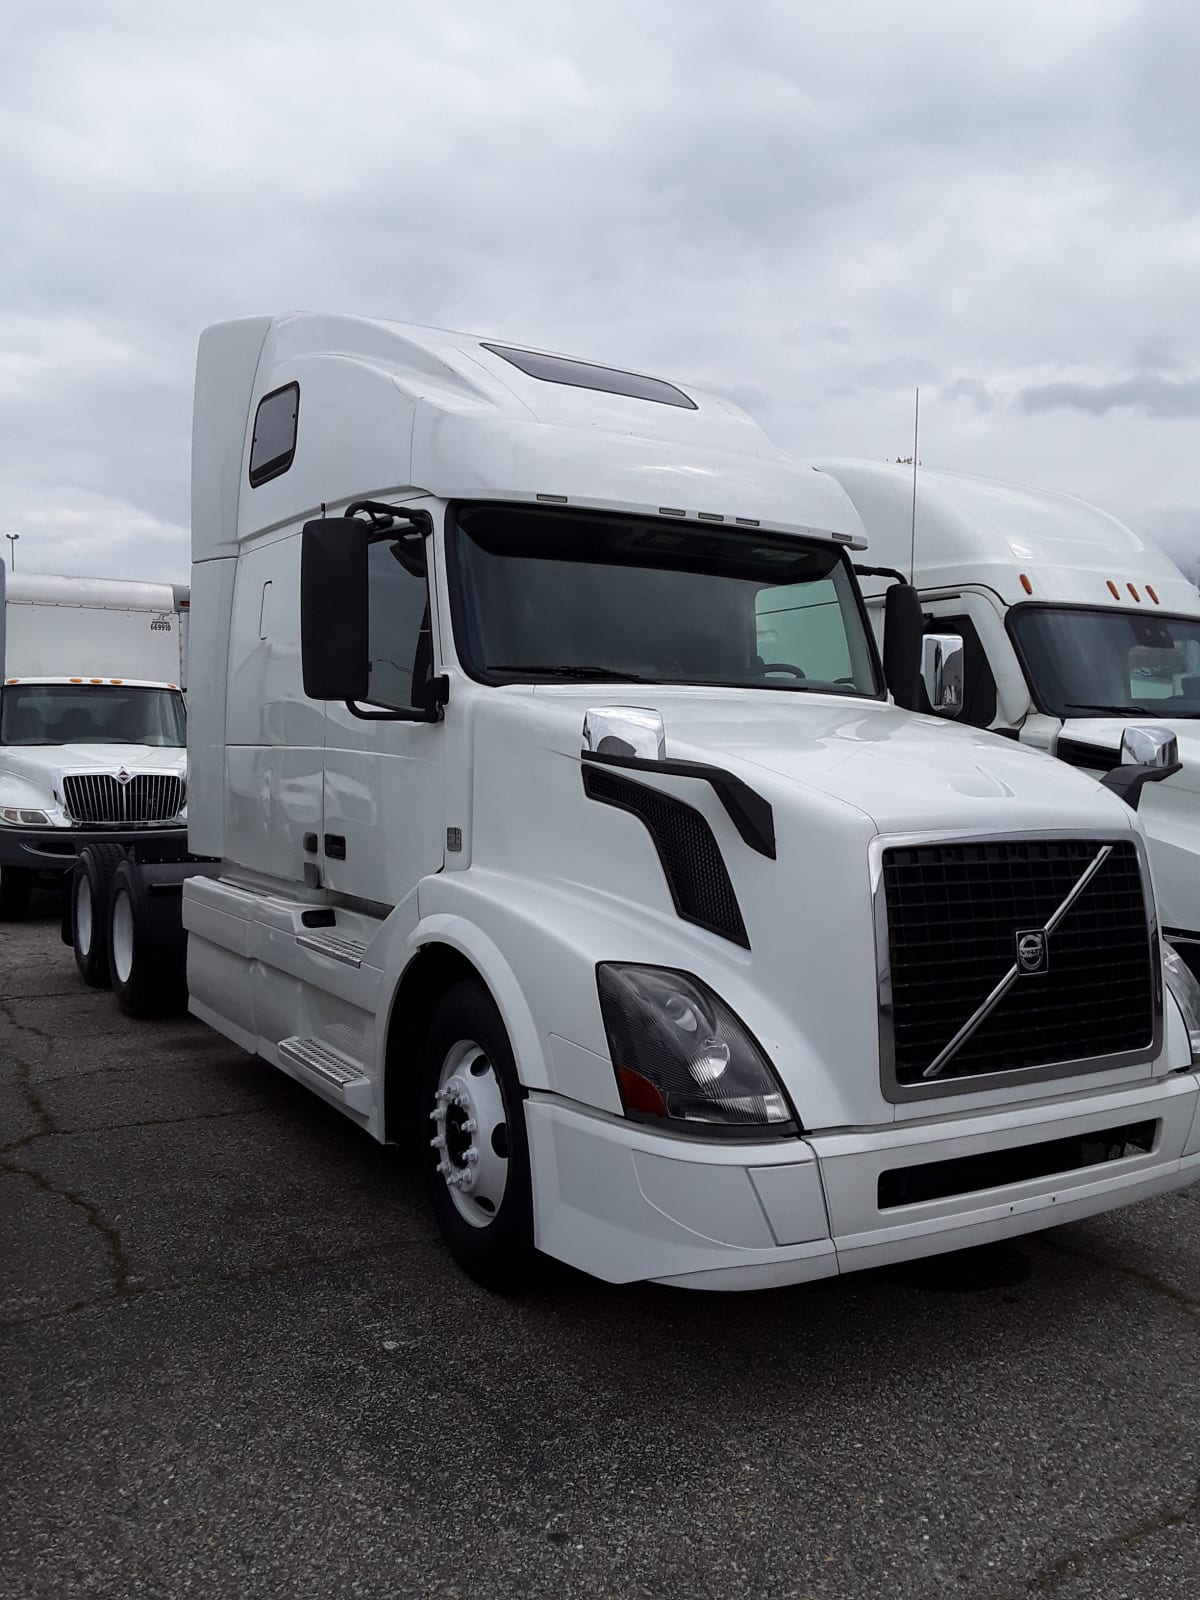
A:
[549,802]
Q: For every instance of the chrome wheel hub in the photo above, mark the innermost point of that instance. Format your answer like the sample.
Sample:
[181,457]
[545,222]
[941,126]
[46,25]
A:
[471,1133]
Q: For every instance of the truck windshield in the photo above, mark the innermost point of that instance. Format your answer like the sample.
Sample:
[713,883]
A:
[1083,663]
[543,594]
[67,713]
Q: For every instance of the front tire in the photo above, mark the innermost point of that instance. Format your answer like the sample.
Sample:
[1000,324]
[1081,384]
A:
[88,890]
[145,978]
[477,1162]
[16,888]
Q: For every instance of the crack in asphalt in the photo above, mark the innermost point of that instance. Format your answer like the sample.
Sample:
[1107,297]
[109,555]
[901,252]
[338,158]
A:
[1069,1566]
[53,1132]
[273,1269]
[114,1249]
[1180,1297]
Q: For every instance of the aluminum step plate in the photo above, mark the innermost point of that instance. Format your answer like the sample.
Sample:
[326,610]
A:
[333,1070]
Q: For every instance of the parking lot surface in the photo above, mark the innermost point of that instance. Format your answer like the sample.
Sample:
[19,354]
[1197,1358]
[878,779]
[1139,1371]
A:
[237,1361]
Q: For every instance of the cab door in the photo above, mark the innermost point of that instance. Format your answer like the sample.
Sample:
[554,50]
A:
[384,784]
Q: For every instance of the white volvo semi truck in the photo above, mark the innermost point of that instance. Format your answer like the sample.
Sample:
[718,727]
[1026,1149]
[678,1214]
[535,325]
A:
[549,805]
[1076,631]
[92,729]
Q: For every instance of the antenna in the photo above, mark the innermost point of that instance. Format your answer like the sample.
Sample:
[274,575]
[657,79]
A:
[912,547]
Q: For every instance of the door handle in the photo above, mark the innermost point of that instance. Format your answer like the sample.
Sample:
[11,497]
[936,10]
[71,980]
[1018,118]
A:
[335,846]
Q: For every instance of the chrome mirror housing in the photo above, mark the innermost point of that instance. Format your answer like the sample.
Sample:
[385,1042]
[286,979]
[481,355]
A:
[942,672]
[1149,747]
[624,731]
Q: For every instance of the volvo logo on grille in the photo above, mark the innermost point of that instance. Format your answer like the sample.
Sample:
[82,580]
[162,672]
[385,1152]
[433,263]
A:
[1033,955]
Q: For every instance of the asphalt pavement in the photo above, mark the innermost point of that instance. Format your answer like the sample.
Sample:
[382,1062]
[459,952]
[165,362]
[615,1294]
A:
[236,1361]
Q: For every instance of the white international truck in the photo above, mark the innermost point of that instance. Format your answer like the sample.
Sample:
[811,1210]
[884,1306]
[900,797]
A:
[549,806]
[92,728]
[1077,632]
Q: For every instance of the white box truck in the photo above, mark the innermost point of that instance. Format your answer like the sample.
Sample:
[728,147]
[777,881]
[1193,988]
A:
[557,814]
[92,727]
[1077,632]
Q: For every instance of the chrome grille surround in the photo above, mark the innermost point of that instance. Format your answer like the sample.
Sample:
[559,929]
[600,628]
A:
[99,799]
[947,1082]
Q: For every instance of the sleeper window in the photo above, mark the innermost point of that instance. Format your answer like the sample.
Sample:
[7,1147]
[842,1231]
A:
[273,446]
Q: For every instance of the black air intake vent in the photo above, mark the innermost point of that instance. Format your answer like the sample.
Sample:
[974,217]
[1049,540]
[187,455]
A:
[691,858]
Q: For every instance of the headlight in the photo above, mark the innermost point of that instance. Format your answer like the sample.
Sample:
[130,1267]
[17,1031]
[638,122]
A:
[681,1055]
[21,818]
[1186,992]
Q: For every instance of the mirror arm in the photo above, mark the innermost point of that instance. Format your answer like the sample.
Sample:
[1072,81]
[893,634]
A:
[437,695]
[880,572]
[1127,782]
[382,517]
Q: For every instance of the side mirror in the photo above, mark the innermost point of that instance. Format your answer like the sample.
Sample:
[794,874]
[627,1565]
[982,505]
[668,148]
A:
[334,614]
[1149,747]
[624,731]
[902,628]
[942,672]
[1148,755]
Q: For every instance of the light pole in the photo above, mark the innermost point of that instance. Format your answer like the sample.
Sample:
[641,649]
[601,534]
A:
[12,550]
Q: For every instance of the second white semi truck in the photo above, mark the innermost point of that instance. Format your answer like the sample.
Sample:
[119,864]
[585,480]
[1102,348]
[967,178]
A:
[551,806]
[1076,632]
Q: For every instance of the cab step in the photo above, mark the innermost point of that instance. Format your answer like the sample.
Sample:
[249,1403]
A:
[333,945]
[326,1068]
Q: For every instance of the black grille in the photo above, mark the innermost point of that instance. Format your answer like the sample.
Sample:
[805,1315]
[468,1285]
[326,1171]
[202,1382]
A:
[953,913]
[100,797]
[690,856]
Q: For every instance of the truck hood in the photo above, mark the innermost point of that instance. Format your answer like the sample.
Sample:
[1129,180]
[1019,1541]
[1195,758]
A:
[903,772]
[43,765]
[1104,733]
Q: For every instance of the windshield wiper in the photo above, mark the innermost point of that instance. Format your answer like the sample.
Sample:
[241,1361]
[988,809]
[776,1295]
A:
[1120,711]
[608,673]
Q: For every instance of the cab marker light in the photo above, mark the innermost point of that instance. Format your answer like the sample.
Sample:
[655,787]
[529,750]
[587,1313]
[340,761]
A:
[1026,585]
[1134,593]
[1113,590]
[116,680]
[76,680]
[1152,594]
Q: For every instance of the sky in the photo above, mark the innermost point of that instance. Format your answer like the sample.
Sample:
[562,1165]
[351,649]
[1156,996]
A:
[811,208]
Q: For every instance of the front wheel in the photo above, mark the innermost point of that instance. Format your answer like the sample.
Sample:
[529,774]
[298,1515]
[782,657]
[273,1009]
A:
[88,892]
[477,1163]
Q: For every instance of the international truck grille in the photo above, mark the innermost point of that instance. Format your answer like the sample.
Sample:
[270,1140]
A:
[100,797]
[964,918]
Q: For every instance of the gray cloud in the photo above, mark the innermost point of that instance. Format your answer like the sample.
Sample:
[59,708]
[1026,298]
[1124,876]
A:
[812,210]
[1155,396]
[980,396]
